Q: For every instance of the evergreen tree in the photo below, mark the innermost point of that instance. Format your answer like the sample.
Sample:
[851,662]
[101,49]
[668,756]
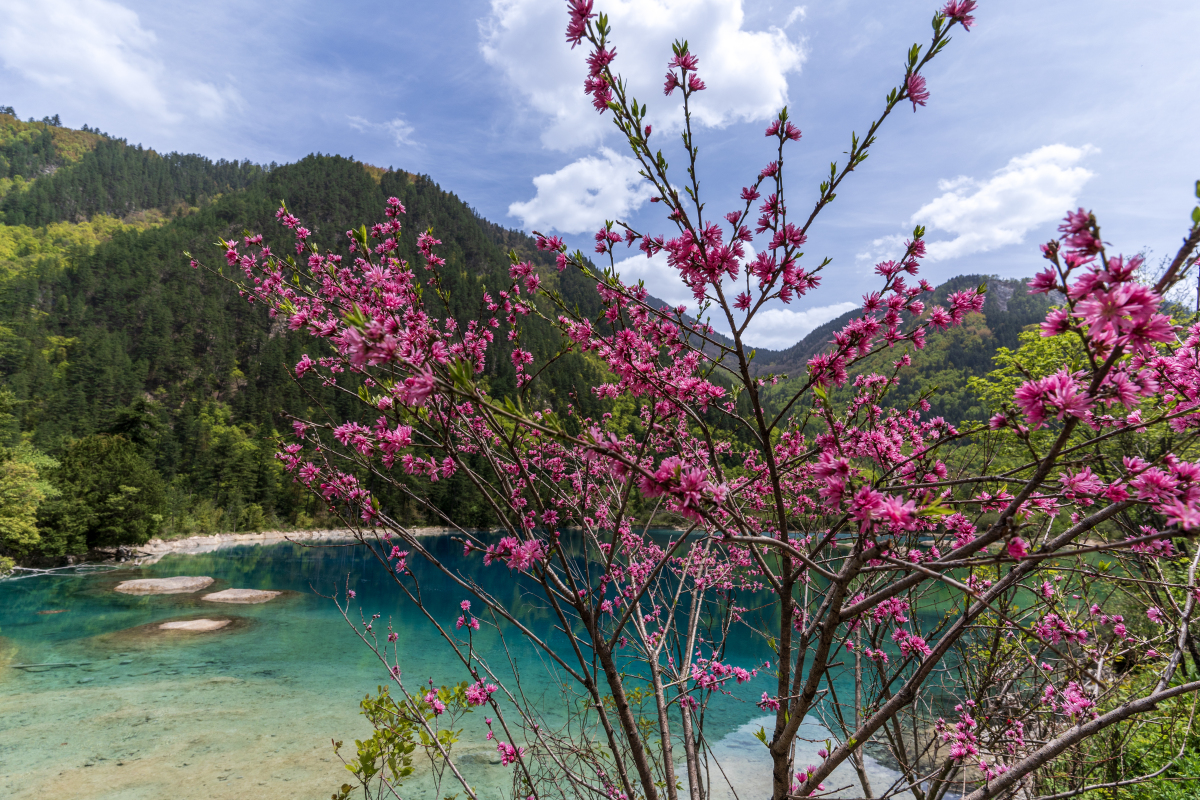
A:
[110,496]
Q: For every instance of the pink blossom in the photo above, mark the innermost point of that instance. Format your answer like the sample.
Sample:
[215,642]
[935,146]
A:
[867,504]
[685,61]
[479,693]
[899,514]
[439,708]
[1017,548]
[959,11]
[1079,237]
[768,703]
[417,389]
[1185,515]
[1044,282]
[917,92]
[581,12]
[1074,701]
[508,753]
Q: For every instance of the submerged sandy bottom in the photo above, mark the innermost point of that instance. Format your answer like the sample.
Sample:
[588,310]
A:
[747,765]
[181,737]
[219,737]
[149,725]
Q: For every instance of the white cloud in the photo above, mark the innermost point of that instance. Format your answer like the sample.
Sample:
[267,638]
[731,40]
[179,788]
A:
[660,280]
[883,246]
[746,71]
[583,194]
[798,13]
[1029,191]
[400,131]
[98,50]
[780,328]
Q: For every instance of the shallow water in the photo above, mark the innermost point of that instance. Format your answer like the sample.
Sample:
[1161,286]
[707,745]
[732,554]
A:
[248,711]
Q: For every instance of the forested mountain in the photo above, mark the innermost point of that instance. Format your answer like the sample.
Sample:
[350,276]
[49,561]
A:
[1008,309]
[946,362]
[137,393]
[52,174]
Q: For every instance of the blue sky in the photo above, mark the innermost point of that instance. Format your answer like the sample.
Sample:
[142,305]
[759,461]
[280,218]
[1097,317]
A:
[1041,107]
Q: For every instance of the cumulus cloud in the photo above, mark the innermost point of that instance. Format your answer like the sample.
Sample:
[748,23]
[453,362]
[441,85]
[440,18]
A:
[397,129]
[891,246]
[583,194]
[660,280]
[746,71]
[98,50]
[780,328]
[1029,191]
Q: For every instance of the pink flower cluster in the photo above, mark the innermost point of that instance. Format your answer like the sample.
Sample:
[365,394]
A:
[479,693]
[961,736]
[711,674]
[508,753]
[465,621]
[515,553]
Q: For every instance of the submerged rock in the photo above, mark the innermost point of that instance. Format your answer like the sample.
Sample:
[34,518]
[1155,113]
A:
[182,584]
[194,625]
[241,596]
[151,635]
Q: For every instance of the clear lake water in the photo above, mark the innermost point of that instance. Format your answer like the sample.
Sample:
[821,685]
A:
[249,711]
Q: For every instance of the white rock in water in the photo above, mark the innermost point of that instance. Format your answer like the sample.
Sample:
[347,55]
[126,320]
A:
[182,584]
[195,625]
[241,596]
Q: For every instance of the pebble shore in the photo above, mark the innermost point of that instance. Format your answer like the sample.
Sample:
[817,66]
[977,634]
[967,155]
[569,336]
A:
[155,549]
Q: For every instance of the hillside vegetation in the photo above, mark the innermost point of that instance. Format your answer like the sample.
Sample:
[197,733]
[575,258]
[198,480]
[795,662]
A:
[139,394]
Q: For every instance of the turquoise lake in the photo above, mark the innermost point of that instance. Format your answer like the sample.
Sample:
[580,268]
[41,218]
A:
[250,711]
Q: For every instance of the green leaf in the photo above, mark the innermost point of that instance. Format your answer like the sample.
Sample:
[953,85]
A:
[761,735]
[461,373]
[935,509]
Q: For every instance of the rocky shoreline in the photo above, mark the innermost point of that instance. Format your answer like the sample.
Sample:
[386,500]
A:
[155,549]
